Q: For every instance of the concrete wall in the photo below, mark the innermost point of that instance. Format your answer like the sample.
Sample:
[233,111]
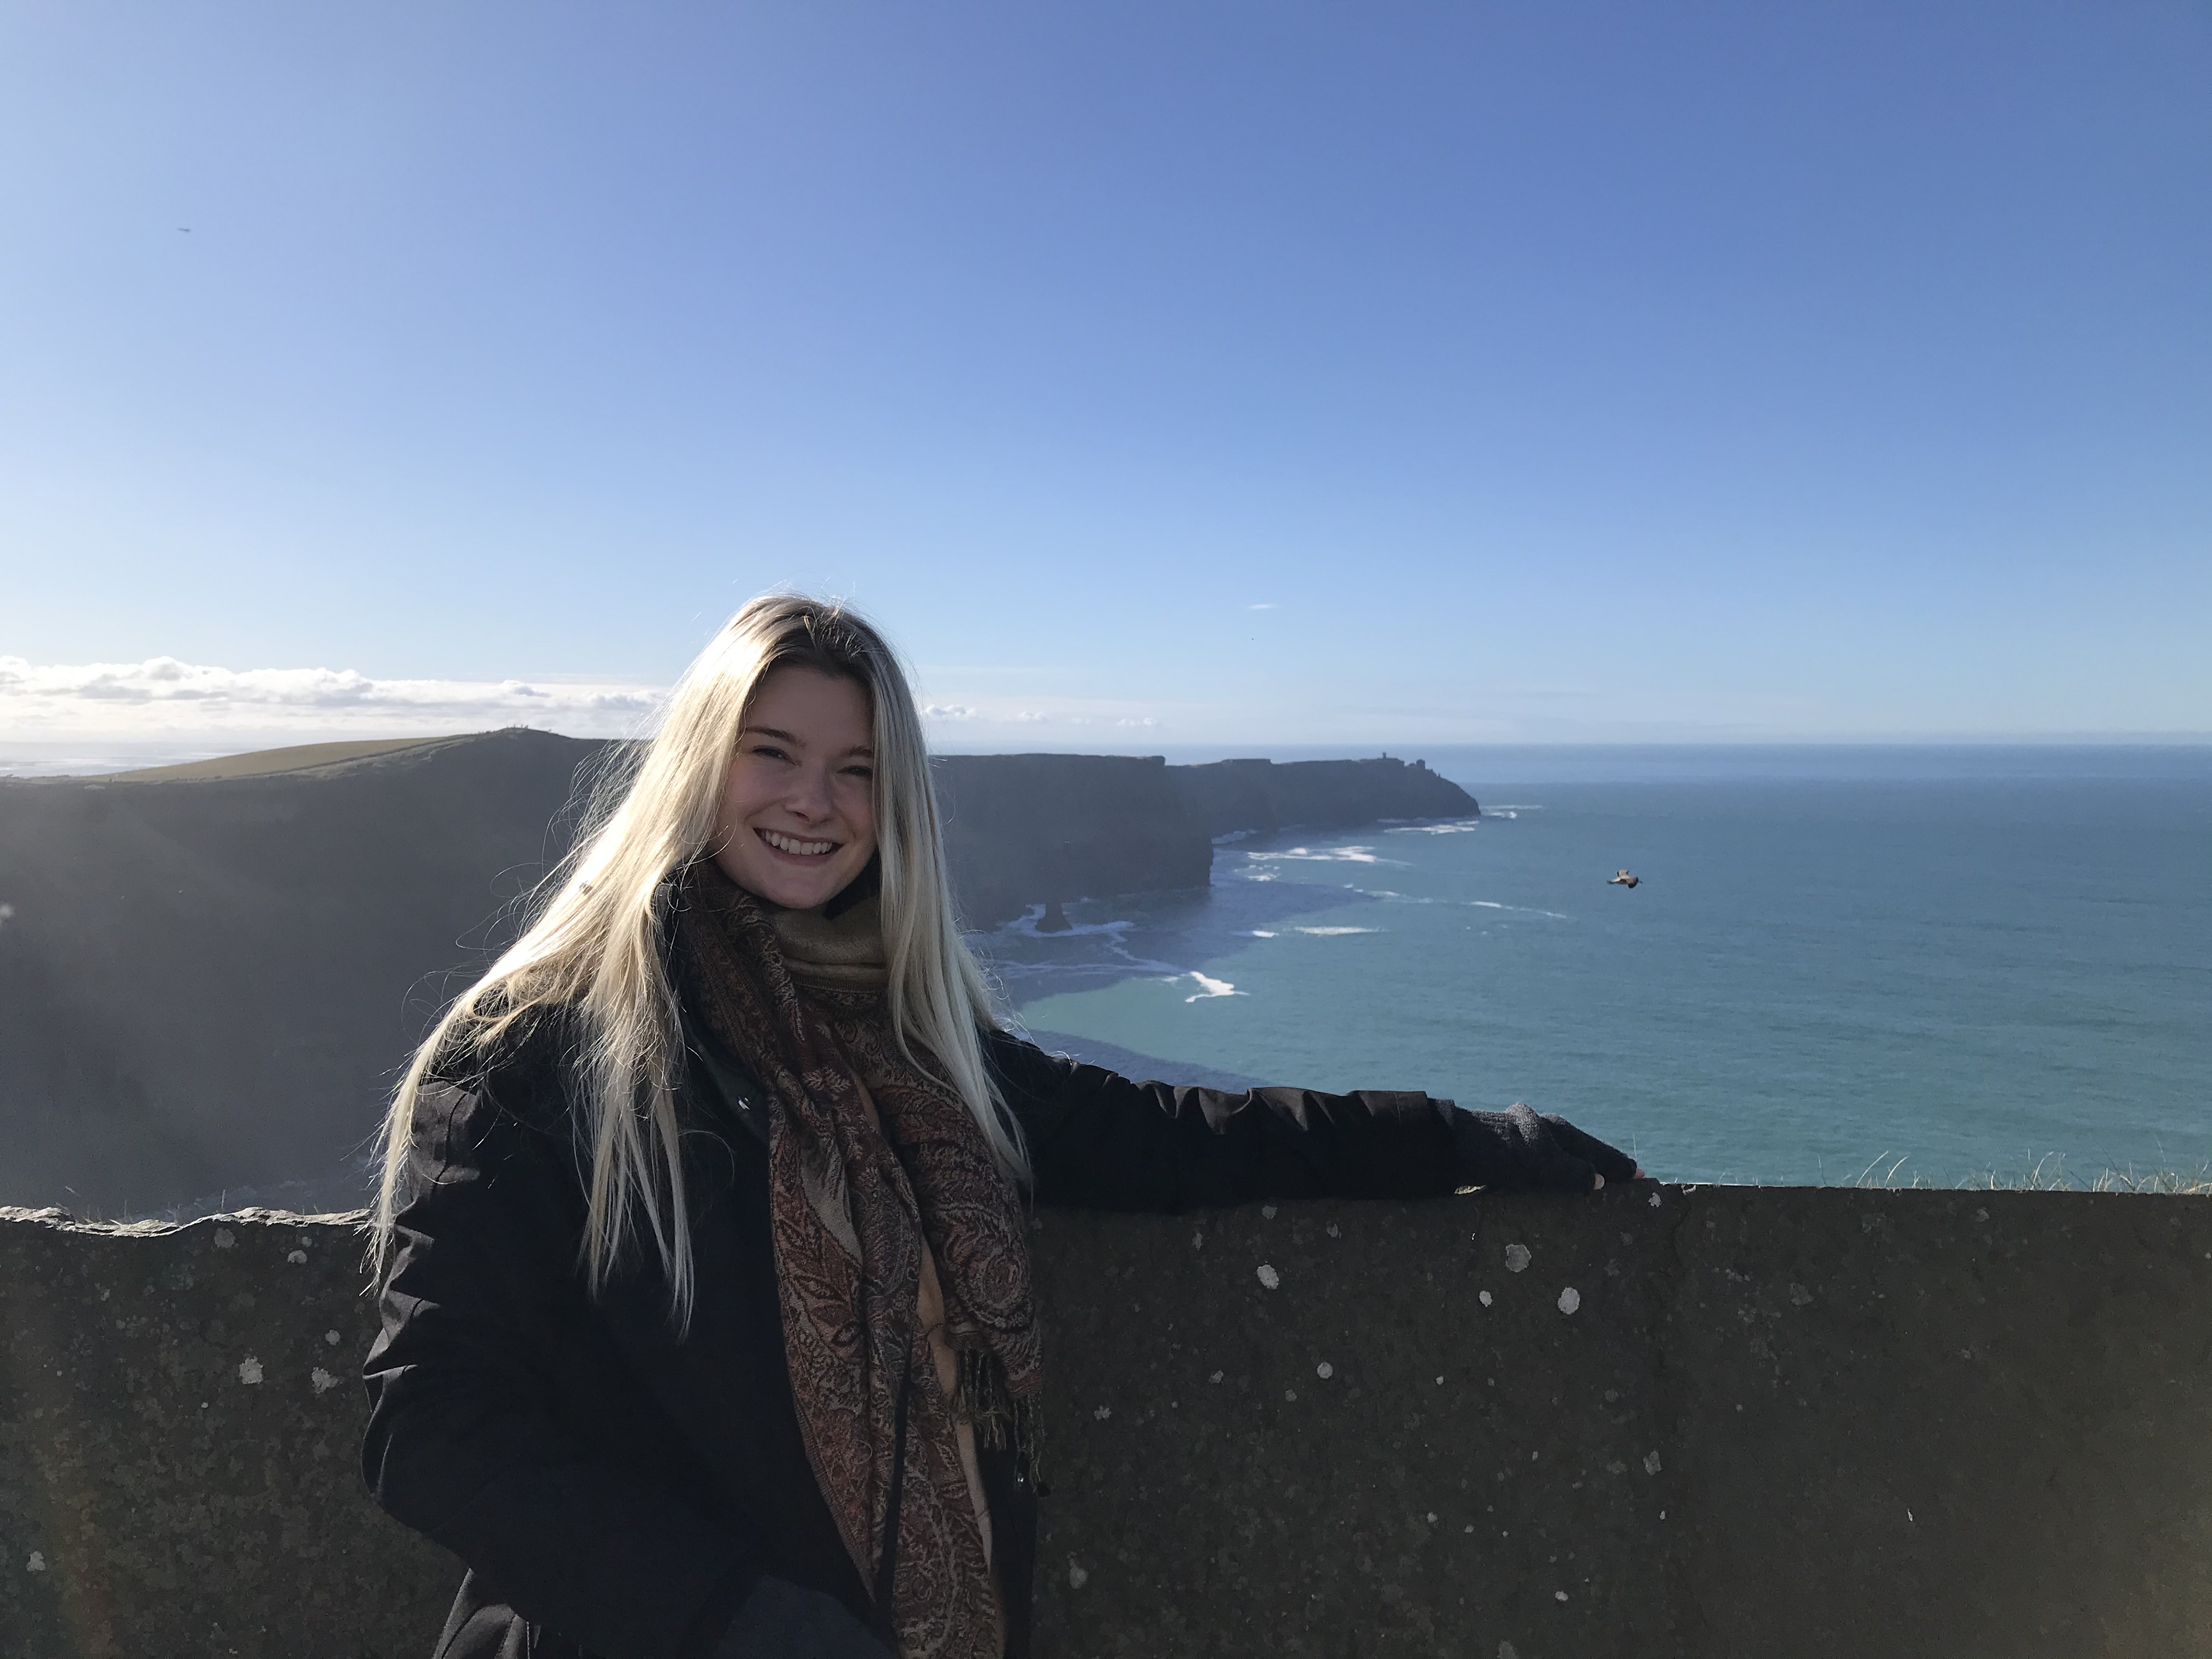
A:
[1775,1423]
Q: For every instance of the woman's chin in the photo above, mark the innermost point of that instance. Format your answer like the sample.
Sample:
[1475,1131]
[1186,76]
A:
[793,888]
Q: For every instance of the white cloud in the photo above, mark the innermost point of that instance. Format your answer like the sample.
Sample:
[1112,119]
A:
[1260,607]
[163,697]
[172,704]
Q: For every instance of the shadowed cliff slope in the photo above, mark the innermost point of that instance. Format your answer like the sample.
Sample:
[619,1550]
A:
[212,972]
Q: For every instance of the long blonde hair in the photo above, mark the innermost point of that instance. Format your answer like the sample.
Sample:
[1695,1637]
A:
[594,942]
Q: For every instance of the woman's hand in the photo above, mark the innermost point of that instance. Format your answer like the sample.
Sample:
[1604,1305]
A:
[1518,1150]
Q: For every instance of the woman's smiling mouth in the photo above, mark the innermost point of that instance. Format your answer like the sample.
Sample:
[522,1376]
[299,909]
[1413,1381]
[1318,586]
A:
[793,847]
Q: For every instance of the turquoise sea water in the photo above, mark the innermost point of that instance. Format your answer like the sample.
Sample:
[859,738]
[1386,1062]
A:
[1972,960]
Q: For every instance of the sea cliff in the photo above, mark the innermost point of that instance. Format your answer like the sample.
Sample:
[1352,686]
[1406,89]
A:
[211,973]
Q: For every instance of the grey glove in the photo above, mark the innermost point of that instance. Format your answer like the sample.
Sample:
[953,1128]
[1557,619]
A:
[783,1620]
[1517,1149]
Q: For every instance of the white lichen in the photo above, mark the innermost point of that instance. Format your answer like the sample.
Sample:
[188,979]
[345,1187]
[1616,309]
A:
[1569,1299]
[1269,1277]
[249,1369]
[323,1380]
[1517,1258]
[1651,1462]
[37,1563]
[1324,1370]
[1483,1296]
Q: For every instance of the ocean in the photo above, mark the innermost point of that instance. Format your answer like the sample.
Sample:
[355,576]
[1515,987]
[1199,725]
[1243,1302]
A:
[1839,963]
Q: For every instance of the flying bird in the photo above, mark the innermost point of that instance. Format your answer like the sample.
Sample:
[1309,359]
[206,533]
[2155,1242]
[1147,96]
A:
[1622,878]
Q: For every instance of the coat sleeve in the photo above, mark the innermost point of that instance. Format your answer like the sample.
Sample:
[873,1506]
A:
[466,1441]
[1097,1141]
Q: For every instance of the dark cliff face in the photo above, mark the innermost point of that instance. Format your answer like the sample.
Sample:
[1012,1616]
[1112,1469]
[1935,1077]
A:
[1024,829]
[211,982]
[1262,795]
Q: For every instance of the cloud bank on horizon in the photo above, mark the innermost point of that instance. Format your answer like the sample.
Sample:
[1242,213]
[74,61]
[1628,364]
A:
[95,716]
[164,699]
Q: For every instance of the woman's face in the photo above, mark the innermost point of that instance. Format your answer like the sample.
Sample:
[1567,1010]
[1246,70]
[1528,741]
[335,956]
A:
[798,819]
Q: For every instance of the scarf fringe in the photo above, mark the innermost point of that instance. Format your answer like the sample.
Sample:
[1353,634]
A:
[983,1401]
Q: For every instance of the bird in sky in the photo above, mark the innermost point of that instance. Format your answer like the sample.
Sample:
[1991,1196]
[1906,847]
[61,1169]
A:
[1622,878]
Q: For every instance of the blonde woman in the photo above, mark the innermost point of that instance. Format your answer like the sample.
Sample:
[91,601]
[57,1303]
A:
[709,1326]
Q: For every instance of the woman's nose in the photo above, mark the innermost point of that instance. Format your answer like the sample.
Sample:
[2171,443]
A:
[810,796]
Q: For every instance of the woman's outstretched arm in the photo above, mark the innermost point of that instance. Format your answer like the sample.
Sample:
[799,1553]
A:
[1099,1140]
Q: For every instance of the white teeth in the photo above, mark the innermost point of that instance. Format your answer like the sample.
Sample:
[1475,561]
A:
[785,844]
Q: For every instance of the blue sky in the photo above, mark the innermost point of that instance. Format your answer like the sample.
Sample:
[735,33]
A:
[1160,374]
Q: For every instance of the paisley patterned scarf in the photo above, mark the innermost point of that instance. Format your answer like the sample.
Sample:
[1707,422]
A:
[849,1207]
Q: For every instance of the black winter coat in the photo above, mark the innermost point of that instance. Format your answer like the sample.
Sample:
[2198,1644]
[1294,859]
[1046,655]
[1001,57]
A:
[615,1489]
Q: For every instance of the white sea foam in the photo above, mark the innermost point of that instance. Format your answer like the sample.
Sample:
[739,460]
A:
[1208,987]
[1262,933]
[1331,932]
[1324,856]
[1519,909]
[1460,828]
[1025,927]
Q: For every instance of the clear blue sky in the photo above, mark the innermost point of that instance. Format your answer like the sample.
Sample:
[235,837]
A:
[1548,371]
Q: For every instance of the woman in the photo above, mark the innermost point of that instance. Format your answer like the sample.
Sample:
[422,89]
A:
[707,1318]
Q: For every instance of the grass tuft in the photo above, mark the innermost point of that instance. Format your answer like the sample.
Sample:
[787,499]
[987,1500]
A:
[2048,1173]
